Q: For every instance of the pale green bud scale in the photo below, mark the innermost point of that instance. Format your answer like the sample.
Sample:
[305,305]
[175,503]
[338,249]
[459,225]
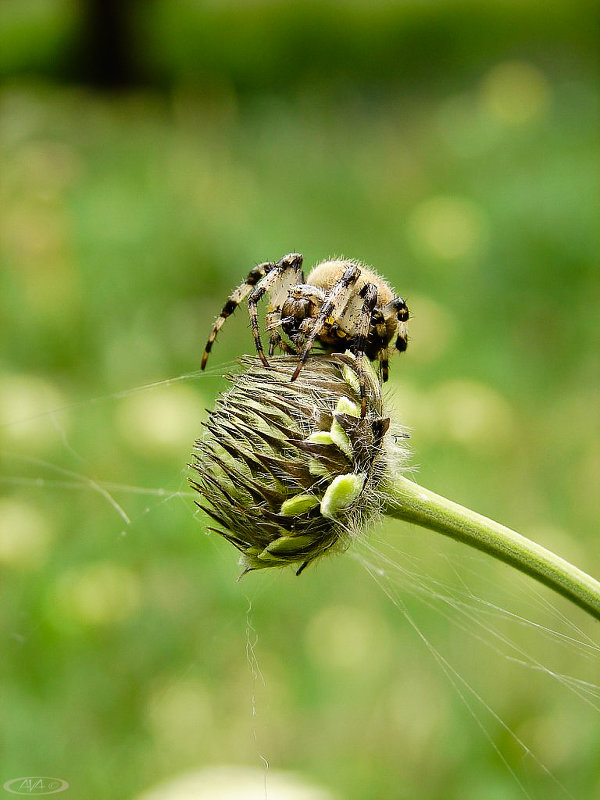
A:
[341,493]
[299,504]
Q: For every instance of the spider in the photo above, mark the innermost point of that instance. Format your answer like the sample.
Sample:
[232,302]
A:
[342,305]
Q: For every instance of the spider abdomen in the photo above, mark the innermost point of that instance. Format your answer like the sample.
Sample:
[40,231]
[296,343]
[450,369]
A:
[326,274]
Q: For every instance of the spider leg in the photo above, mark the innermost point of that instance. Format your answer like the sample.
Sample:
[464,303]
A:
[233,301]
[369,295]
[402,315]
[378,322]
[287,268]
[290,274]
[306,291]
[383,364]
[277,340]
[334,303]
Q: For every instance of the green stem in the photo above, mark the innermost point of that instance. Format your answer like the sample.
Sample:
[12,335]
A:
[413,503]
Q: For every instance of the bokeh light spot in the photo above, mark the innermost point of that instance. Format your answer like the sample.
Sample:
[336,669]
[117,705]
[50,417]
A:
[30,412]
[233,782]
[515,93]
[475,415]
[447,227]
[180,716]
[162,421]
[24,535]
[98,594]
[346,638]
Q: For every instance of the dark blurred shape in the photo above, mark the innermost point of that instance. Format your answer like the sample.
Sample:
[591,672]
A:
[290,47]
[104,53]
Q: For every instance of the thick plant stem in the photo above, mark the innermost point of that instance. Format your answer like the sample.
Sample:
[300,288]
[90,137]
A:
[413,503]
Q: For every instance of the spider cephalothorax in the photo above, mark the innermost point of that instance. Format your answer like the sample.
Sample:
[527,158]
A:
[342,305]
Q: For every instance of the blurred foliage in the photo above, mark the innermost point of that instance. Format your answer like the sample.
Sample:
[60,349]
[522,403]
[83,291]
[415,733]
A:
[454,146]
[272,46]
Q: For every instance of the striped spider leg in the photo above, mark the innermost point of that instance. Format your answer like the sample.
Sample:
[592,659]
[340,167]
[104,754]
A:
[259,280]
[331,308]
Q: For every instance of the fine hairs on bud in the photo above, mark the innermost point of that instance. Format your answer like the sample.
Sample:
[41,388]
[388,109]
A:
[291,471]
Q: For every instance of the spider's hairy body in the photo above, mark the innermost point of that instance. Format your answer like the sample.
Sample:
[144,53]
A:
[328,273]
[339,336]
[342,305]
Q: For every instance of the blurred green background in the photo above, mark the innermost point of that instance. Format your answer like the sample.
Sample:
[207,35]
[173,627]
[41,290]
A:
[151,154]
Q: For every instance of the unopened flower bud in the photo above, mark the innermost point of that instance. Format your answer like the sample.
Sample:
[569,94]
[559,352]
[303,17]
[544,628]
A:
[291,470]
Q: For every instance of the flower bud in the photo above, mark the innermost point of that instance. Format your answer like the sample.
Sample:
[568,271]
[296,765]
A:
[291,470]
